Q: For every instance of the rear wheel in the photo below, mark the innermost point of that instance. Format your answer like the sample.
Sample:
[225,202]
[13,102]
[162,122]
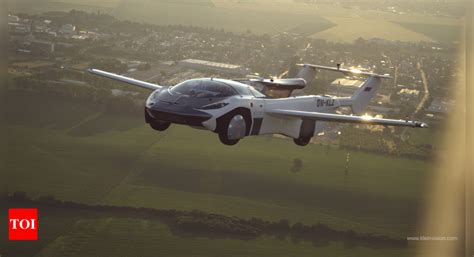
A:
[160,125]
[226,141]
[232,127]
[302,141]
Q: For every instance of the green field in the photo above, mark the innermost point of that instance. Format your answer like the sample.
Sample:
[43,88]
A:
[79,153]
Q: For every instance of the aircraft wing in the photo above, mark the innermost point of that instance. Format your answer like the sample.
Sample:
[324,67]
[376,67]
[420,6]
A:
[319,116]
[135,82]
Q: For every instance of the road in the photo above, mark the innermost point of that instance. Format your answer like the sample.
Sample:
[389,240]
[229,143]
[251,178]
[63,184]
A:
[426,95]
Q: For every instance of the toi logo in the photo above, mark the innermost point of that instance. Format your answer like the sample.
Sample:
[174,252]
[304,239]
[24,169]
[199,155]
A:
[23,224]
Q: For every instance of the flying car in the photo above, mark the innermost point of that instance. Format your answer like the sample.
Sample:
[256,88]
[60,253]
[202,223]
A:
[238,108]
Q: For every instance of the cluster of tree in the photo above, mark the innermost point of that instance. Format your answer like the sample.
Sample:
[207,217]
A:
[358,139]
[216,225]
[122,104]
[111,65]
[78,18]
[381,143]
[407,150]
[109,49]
[197,222]
[110,24]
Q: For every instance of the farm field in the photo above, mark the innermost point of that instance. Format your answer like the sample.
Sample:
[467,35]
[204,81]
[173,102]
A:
[438,32]
[257,20]
[125,175]
[263,16]
[350,28]
[95,158]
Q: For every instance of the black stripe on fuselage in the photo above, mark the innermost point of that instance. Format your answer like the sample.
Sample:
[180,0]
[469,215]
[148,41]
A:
[257,124]
[307,128]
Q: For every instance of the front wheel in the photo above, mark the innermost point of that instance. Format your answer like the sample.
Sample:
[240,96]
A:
[160,125]
[302,141]
[232,129]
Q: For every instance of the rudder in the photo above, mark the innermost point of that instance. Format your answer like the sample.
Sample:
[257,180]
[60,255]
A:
[307,73]
[361,98]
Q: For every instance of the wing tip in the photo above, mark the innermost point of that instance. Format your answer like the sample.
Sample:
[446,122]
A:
[420,124]
[92,70]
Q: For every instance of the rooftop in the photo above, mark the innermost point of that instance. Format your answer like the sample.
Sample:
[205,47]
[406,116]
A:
[406,91]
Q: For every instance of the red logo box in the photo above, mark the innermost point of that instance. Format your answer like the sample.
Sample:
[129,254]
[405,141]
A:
[23,224]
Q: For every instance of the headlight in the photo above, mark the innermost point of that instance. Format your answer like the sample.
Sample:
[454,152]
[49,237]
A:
[156,94]
[153,98]
[213,106]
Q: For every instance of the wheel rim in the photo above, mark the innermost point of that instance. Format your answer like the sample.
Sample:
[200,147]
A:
[236,128]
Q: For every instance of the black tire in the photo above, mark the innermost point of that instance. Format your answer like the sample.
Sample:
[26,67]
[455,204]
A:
[160,125]
[223,125]
[226,141]
[302,141]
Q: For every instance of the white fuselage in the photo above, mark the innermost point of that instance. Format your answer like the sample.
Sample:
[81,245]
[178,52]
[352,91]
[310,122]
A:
[263,123]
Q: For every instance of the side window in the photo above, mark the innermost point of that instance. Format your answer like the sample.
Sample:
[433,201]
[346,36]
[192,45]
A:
[220,90]
[242,90]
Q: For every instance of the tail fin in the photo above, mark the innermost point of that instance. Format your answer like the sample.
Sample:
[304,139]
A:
[307,73]
[361,98]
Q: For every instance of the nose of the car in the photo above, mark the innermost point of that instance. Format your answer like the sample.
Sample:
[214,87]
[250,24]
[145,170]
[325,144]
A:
[178,109]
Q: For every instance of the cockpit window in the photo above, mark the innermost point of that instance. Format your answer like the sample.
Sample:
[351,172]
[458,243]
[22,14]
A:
[203,89]
[245,90]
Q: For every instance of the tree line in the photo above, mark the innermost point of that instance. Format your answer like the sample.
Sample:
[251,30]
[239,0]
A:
[382,143]
[124,104]
[199,223]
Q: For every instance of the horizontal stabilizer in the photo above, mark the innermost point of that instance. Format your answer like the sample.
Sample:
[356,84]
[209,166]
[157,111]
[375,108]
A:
[347,71]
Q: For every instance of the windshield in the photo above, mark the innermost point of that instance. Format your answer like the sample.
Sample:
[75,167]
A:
[201,88]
